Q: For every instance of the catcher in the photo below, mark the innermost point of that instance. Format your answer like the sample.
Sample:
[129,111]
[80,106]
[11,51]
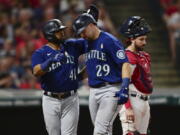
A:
[135,114]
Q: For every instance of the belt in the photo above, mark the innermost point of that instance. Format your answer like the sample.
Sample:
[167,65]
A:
[103,84]
[143,97]
[60,95]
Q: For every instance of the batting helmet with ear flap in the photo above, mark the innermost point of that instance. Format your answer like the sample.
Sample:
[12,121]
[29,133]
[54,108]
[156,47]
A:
[135,26]
[82,21]
[50,28]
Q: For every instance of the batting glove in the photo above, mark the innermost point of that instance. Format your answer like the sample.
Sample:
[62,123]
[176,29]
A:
[60,57]
[123,93]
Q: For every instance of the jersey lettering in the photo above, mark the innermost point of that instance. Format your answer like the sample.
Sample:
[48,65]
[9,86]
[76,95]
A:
[54,66]
[70,59]
[95,54]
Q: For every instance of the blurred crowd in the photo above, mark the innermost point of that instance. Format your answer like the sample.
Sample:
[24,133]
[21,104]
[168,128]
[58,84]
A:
[171,17]
[20,34]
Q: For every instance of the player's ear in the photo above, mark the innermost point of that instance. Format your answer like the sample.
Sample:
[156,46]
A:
[132,41]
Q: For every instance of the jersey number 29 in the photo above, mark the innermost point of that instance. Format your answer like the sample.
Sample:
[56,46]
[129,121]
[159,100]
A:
[102,70]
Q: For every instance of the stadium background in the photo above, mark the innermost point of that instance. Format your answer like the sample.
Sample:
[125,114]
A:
[20,94]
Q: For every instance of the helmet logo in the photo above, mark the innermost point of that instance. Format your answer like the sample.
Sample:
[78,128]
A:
[120,54]
[130,22]
[78,21]
[88,11]
[136,17]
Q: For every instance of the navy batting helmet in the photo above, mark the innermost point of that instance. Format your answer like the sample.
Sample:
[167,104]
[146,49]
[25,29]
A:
[50,28]
[82,21]
[135,26]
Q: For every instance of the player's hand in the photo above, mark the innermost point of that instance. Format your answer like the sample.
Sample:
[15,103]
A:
[122,95]
[60,57]
[129,114]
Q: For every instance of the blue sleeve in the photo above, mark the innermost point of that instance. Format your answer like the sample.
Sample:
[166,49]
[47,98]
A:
[78,44]
[116,51]
[37,58]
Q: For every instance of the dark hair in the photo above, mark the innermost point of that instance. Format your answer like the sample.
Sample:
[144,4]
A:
[127,42]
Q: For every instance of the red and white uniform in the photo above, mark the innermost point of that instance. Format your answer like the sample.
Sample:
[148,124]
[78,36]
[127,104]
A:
[141,76]
[139,90]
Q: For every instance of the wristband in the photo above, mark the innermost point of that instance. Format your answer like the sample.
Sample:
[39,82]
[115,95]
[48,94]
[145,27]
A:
[46,64]
[125,82]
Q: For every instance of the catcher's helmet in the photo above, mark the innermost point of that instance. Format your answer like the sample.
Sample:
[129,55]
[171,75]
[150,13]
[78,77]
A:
[82,21]
[135,26]
[50,28]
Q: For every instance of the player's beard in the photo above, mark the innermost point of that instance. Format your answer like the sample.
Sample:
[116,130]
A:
[139,48]
[59,42]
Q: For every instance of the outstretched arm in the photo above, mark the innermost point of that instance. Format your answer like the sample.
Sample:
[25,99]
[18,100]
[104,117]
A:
[123,93]
[41,69]
[126,70]
[82,74]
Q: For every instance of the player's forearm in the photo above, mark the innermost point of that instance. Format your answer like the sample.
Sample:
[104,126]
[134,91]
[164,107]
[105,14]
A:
[126,70]
[40,69]
[82,74]
[37,70]
[125,76]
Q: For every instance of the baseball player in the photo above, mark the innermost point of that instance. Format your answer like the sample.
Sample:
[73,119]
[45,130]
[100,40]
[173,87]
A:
[108,73]
[135,114]
[56,65]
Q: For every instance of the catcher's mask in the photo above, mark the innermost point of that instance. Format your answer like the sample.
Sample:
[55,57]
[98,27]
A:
[82,21]
[135,26]
[50,28]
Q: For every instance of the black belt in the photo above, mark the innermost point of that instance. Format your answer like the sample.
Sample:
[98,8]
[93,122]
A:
[143,97]
[103,84]
[61,95]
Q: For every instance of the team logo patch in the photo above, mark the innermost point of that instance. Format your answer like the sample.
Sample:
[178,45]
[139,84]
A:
[120,54]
